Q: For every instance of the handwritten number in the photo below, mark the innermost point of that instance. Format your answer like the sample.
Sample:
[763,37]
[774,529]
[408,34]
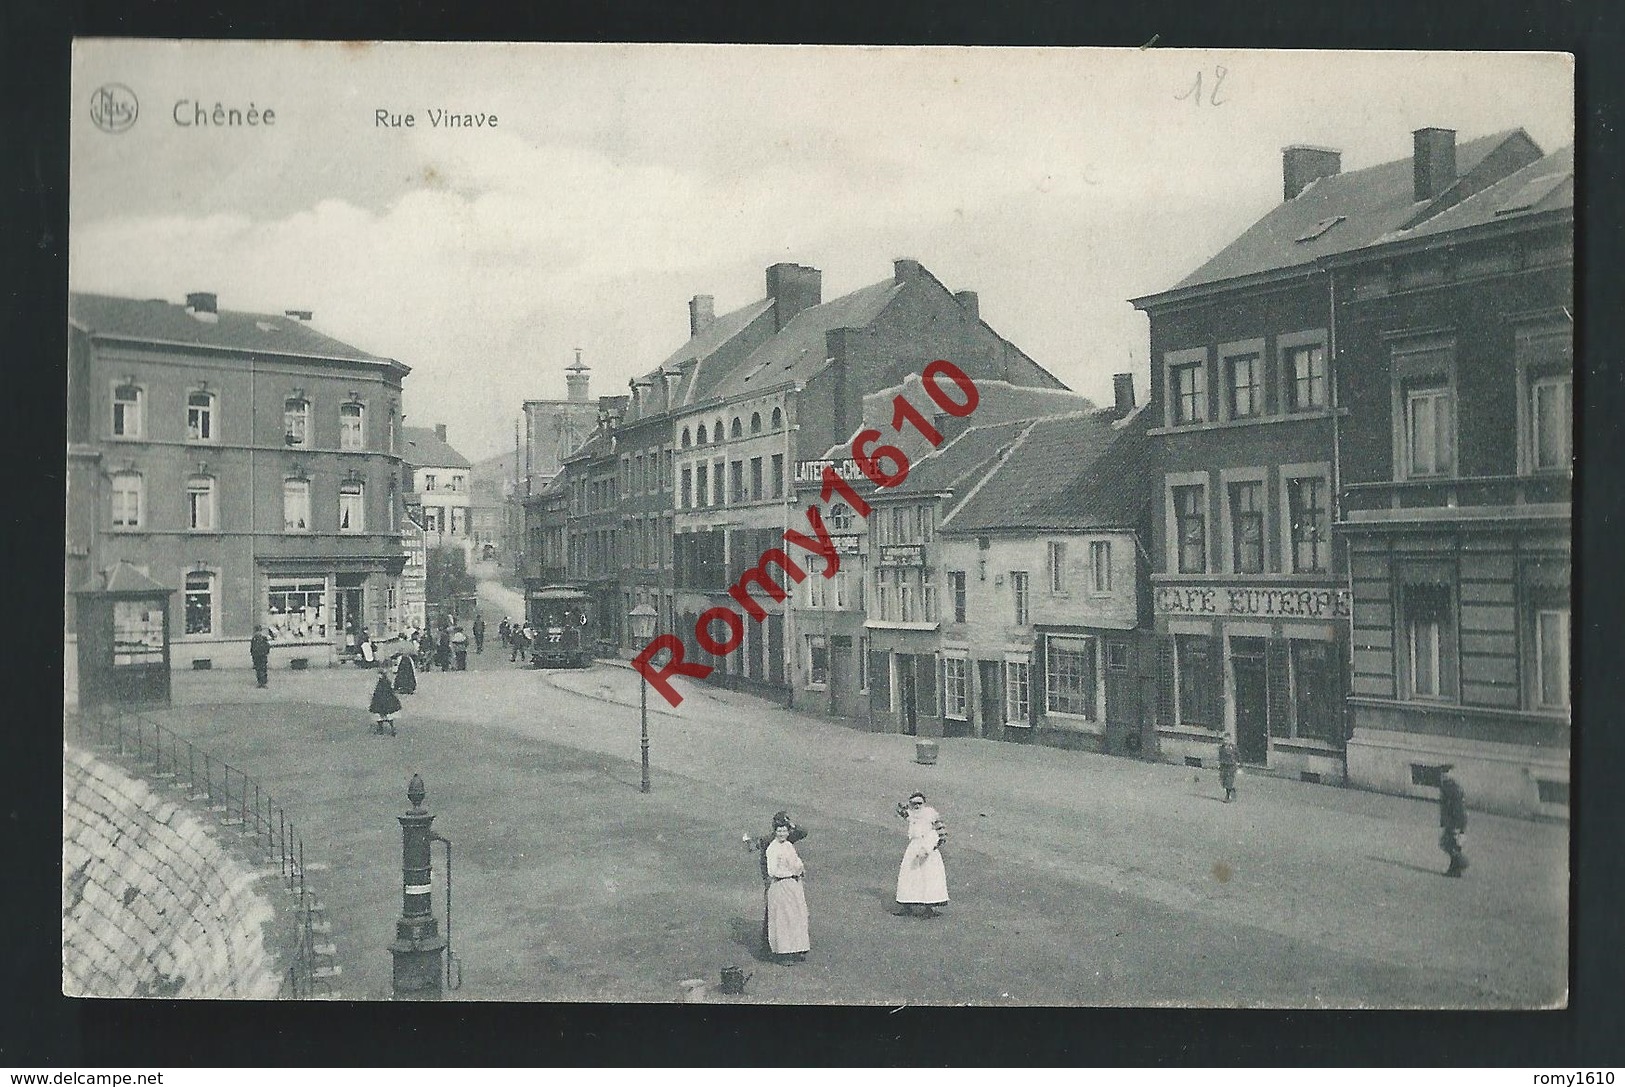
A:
[1194,92]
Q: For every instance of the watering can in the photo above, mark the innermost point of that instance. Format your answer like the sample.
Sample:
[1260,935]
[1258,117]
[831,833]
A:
[734,979]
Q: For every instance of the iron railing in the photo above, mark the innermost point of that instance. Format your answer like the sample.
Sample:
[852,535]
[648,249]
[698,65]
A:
[238,802]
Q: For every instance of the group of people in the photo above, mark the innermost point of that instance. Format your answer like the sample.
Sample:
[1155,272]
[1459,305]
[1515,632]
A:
[922,878]
[519,638]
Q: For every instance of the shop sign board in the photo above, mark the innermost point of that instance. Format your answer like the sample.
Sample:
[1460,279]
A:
[812,471]
[1252,601]
[902,555]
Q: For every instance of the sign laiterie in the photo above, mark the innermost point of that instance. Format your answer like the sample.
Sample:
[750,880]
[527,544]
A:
[1252,601]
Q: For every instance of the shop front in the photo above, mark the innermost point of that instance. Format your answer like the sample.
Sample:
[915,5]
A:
[1263,663]
[319,616]
[904,681]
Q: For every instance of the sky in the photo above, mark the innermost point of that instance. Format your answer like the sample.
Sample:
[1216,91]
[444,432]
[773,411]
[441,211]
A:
[621,180]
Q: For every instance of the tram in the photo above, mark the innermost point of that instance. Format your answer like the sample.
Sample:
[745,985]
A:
[565,624]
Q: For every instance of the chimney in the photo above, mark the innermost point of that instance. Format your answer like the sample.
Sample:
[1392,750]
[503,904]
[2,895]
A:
[1123,392]
[641,386]
[905,269]
[299,314]
[702,312]
[969,303]
[440,431]
[1302,164]
[575,379]
[1434,164]
[793,288]
[204,305]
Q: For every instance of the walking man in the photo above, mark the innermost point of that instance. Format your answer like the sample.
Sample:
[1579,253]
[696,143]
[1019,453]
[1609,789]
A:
[1452,821]
[502,631]
[259,650]
[459,648]
[479,633]
[516,639]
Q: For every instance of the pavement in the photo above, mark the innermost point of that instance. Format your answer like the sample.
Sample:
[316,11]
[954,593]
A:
[1075,878]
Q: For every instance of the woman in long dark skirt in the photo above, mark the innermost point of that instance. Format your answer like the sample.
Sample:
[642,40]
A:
[406,675]
[385,707]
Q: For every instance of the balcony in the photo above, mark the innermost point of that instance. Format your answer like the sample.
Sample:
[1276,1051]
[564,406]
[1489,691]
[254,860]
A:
[1460,499]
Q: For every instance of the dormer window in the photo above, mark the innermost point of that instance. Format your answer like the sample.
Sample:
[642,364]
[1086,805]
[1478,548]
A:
[296,421]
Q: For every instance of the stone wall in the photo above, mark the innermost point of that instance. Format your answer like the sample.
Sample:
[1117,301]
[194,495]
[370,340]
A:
[152,904]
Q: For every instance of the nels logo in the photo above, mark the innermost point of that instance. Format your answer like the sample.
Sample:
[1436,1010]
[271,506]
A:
[113,107]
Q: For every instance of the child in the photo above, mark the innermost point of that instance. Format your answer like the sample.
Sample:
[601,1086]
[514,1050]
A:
[1227,769]
[385,706]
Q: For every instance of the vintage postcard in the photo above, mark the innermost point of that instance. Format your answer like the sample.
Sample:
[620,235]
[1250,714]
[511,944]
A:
[819,525]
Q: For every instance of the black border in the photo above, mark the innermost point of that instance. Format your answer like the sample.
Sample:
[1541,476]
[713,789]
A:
[42,1028]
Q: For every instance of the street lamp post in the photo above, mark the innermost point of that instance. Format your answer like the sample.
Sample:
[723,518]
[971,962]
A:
[643,628]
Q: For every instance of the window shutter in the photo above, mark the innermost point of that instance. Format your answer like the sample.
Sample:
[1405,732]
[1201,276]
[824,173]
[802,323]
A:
[1215,686]
[1165,679]
[1277,680]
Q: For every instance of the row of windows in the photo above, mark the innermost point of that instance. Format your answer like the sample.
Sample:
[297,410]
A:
[1246,509]
[201,509]
[203,417]
[294,609]
[450,520]
[702,485]
[1304,377]
[1429,659]
[455,482]
[702,436]
[646,473]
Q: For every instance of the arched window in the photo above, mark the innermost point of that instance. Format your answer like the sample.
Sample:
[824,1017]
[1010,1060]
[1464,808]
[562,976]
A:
[352,506]
[737,431]
[755,422]
[200,504]
[199,603]
[702,434]
[687,438]
[778,418]
[127,500]
[200,416]
[296,421]
[128,409]
[716,431]
[351,434]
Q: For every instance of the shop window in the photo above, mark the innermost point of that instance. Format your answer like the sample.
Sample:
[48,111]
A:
[129,404]
[955,688]
[1190,519]
[1200,682]
[1018,592]
[296,421]
[1070,677]
[1100,566]
[296,610]
[200,416]
[295,505]
[1306,375]
[956,585]
[352,506]
[1429,637]
[199,603]
[817,661]
[1247,527]
[1017,693]
[138,632]
[1311,524]
[1244,387]
[351,434]
[1057,567]
[200,508]
[1190,392]
[1316,684]
[128,500]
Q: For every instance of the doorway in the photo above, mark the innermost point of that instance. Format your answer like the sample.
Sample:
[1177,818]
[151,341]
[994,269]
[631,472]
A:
[907,696]
[348,618]
[990,698]
[1252,700]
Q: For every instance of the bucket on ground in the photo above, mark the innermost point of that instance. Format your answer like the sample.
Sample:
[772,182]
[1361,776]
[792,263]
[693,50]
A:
[925,752]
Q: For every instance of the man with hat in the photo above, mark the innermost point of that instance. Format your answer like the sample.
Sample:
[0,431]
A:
[1452,820]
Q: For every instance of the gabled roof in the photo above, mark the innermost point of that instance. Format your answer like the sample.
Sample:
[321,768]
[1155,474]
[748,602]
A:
[948,467]
[1081,471]
[424,449]
[160,322]
[800,351]
[123,578]
[1546,184]
[690,359]
[1347,211]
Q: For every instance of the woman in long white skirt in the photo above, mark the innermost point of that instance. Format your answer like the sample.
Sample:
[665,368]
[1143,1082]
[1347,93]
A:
[786,901]
[922,881]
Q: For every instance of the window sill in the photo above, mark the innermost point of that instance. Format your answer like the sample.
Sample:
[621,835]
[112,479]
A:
[1263,420]
[1018,724]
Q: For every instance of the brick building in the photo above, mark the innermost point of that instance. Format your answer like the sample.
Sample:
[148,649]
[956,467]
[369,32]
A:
[245,459]
[1251,598]
[1457,464]
[439,495]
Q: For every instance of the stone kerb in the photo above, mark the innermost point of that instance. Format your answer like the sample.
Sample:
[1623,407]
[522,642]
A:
[152,904]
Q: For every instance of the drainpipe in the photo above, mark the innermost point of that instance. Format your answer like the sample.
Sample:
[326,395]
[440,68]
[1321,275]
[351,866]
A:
[1337,503]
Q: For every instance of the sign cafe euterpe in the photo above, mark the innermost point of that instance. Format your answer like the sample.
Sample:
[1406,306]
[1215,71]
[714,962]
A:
[1252,600]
